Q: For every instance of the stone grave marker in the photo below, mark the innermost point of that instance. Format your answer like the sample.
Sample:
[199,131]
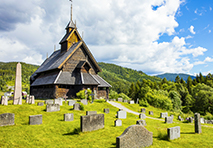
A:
[35,119]
[68,117]
[197,123]
[28,99]
[173,132]
[141,122]
[71,102]
[163,115]
[120,99]
[58,101]
[202,120]
[135,136]
[168,119]
[118,122]
[49,102]
[190,119]
[84,101]
[7,119]
[126,101]
[91,112]
[106,110]
[151,113]
[131,102]
[92,122]
[52,107]
[17,100]
[40,103]
[4,100]
[121,114]
[142,116]
[76,106]
[137,102]
[32,100]
[143,110]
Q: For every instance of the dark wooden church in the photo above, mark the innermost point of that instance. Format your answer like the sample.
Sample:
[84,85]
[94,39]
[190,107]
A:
[69,70]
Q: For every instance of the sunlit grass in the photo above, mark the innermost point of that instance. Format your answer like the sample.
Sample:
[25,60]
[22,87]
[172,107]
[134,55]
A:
[54,132]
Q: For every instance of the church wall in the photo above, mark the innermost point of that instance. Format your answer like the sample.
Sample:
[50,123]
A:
[43,92]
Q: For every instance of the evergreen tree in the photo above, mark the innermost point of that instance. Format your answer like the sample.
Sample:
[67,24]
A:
[177,79]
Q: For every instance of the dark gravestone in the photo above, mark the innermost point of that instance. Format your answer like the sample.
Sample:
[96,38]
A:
[173,132]
[106,110]
[151,113]
[92,122]
[168,119]
[68,117]
[76,106]
[141,122]
[143,110]
[118,122]
[7,119]
[35,119]
[71,102]
[134,136]
[142,116]
[40,104]
[84,101]
[197,123]
[49,102]
[163,115]
[52,107]
[121,114]
[91,112]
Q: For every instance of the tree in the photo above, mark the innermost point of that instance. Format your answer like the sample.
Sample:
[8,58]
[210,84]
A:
[177,79]
[176,101]
[189,84]
[132,91]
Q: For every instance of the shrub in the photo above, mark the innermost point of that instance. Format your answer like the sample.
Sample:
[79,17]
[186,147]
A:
[143,103]
[113,94]
[82,106]
[81,94]
[102,100]
[125,97]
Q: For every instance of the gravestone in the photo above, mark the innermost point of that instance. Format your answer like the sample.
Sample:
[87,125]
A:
[143,110]
[137,102]
[151,113]
[126,101]
[131,102]
[202,120]
[190,119]
[134,136]
[106,110]
[121,114]
[48,102]
[179,118]
[76,106]
[121,109]
[91,112]
[32,100]
[40,104]
[68,117]
[58,101]
[163,115]
[142,116]
[28,99]
[172,116]
[113,99]
[92,122]
[168,119]
[17,99]
[4,100]
[52,107]
[173,132]
[7,119]
[71,102]
[118,122]
[35,119]
[141,122]
[197,123]
[120,99]
[84,101]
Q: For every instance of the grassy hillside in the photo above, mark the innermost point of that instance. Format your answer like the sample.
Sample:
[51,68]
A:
[54,132]
[172,76]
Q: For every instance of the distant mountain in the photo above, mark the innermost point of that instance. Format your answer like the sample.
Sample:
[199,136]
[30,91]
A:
[172,76]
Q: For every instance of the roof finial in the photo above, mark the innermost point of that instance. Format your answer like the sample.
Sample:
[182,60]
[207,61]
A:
[71,12]
[54,48]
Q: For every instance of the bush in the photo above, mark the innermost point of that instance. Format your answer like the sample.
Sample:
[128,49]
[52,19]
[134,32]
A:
[100,100]
[81,94]
[82,106]
[125,97]
[143,103]
[113,95]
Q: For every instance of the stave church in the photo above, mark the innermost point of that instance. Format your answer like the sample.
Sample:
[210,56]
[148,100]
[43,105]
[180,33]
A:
[69,70]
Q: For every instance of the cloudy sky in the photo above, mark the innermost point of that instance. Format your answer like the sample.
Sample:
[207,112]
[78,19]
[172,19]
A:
[154,36]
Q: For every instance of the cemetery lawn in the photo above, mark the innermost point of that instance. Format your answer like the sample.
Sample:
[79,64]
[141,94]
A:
[54,132]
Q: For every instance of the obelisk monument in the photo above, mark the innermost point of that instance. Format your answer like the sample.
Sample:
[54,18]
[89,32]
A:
[18,86]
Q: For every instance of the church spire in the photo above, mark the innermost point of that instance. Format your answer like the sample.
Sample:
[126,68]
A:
[71,24]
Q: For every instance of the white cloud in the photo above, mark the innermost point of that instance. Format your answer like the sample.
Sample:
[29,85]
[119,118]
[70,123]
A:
[191,29]
[207,59]
[210,8]
[210,31]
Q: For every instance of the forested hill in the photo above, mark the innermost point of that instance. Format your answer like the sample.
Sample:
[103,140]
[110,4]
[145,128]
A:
[121,78]
[172,76]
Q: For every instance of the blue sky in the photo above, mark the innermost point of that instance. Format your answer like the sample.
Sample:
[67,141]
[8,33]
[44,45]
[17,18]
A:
[154,36]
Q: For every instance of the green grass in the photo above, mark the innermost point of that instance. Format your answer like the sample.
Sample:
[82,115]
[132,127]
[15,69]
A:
[54,132]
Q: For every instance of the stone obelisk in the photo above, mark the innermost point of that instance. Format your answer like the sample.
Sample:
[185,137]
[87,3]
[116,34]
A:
[18,86]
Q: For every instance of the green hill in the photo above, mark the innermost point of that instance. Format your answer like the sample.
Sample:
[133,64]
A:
[172,76]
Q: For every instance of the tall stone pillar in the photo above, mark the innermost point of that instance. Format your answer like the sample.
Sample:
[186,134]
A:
[17,100]
[197,123]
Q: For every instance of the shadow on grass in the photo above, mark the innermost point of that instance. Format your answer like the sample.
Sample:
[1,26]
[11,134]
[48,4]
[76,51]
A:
[60,120]
[45,110]
[187,132]
[113,145]
[162,136]
[76,131]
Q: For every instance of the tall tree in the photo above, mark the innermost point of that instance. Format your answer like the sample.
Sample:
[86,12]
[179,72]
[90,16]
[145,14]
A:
[177,79]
